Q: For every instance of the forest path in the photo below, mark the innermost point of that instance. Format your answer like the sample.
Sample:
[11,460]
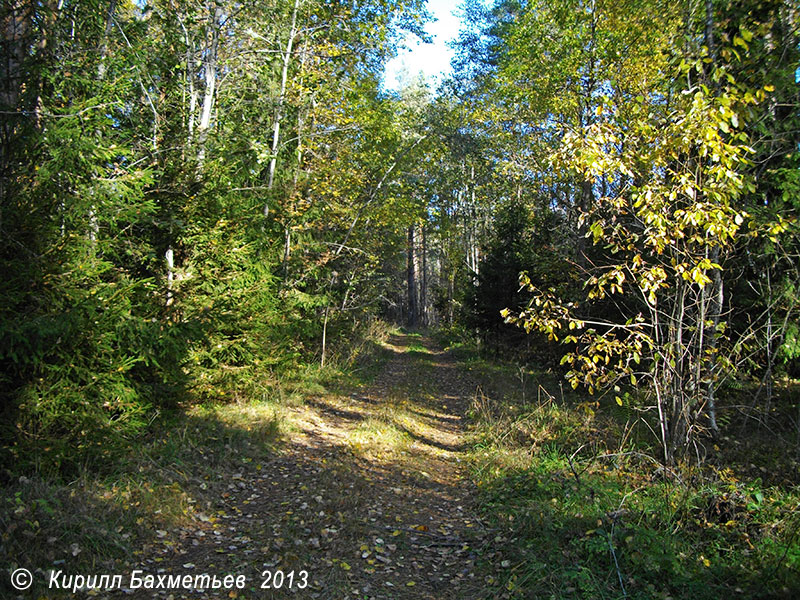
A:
[369,495]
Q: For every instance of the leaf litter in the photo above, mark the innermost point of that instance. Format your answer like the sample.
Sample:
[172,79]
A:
[370,497]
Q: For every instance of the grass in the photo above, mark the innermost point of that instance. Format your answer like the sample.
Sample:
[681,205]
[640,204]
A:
[589,513]
[379,437]
[163,482]
[166,478]
[568,482]
[171,475]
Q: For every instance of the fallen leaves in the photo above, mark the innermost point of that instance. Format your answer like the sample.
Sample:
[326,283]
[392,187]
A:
[357,523]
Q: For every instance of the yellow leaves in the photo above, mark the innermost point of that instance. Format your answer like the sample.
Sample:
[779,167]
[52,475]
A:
[778,227]
[697,273]
[575,324]
[596,230]
[591,152]
[683,210]
[698,276]
[739,41]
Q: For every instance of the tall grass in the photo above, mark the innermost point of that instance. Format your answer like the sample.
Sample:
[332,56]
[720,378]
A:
[586,510]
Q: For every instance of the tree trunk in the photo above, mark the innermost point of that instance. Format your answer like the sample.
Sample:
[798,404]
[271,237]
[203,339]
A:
[712,335]
[48,21]
[715,303]
[101,68]
[413,311]
[276,127]
[586,201]
[94,225]
[709,33]
[287,231]
[324,334]
[169,256]
[424,286]
[451,286]
[16,31]
[209,93]
[190,76]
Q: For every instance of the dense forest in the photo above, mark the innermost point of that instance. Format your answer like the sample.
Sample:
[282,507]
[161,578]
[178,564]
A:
[209,203]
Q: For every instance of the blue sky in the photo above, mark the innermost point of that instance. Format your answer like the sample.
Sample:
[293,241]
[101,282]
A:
[432,59]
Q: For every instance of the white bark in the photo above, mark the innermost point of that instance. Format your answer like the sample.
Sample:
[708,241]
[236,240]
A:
[192,92]
[276,127]
[209,93]
[169,255]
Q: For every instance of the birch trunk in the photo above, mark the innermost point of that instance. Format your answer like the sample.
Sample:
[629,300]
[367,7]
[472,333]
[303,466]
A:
[287,250]
[209,93]
[276,127]
[190,76]
[101,68]
[717,286]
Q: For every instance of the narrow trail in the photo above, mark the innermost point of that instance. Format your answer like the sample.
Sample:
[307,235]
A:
[369,495]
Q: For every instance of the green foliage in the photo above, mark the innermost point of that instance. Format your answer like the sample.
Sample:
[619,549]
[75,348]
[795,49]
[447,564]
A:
[511,250]
[138,158]
[664,176]
[585,511]
[790,348]
[522,240]
[156,485]
[84,354]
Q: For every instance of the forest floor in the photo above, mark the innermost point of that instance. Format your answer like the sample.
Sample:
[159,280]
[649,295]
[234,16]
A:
[369,497]
[445,475]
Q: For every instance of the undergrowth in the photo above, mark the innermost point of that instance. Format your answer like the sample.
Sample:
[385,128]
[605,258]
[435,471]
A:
[589,512]
[171,474]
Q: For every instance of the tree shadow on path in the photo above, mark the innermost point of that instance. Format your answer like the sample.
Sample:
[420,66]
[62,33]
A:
[369,498]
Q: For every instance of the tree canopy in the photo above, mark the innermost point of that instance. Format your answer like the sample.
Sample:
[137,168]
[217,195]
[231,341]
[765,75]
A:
[193,192]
